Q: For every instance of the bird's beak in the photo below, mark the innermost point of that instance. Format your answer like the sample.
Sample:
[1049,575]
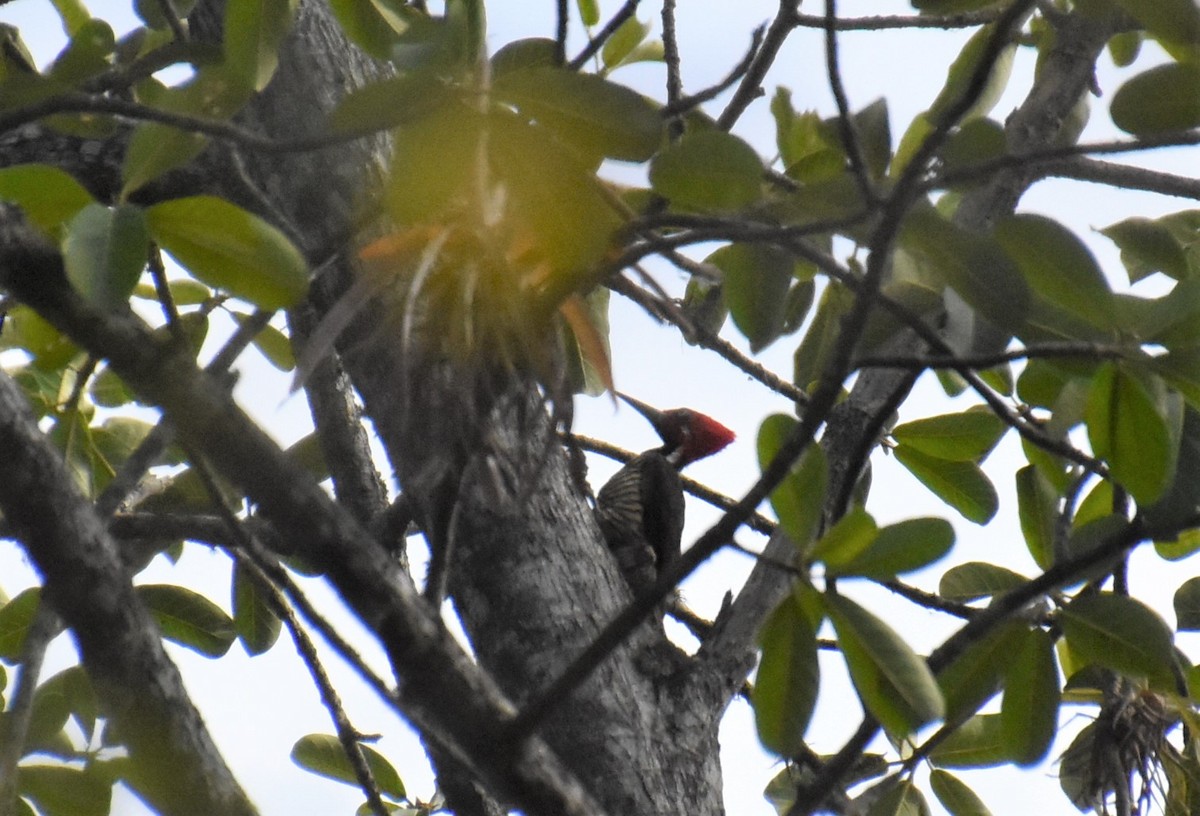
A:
[652,414]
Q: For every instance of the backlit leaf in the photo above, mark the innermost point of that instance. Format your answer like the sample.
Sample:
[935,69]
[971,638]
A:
[976,675]
[708,170]
[1148,246]
[962,485]
[48,196]
[60,790]
[188,618]
[894,684]
[1187,606]
[977,743]
[104,252]
[230,248]
[898,548]
[585,111]
[1029,711]
[1127,426]
[978,579]
[324,755]
[756,282]
[964,437]
[785,688]
[798,499]
[1161,100]
[1121,633]
[254,620]
[955,796]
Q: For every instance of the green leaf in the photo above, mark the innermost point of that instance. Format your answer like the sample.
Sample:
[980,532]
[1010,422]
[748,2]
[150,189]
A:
[962,485]
[324,755]
[1173,22]
[274,344]
[623,41]
[189,619]
[366,24]
[256,624]
[977,743]
[16,616]
[155,148]
[964,437]
[388,103]
[708,171]
[977,579]
[1187,606]
[756,281]
[1058,266]
[809,147]
[799,498]
[86,55]
[59,790]
[822,337]
[1037,507]
[1078,774]
[229,248]
[587,112]
[48,196]
[976,675]
[962,72]
[1148,246]
[898,797]
[1121,633]
[1124,47]
[788,679]
[589,11]
[1162,100]
[848,537]
[104,252]
[1029,711]
[977,267]
[956,797]
[897,549]
[1185,544]
[893,683]
[254,31]
[1127,427]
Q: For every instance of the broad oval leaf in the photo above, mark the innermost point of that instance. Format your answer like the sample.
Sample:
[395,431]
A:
[587,112]
[798,499]
[708,170]
[60,790]
[104,251]
[788,679]
[1121,633]
[1029,710]
[1037,508]
[848,537]
[1175,23]
[1058,266]
[962,485]
[977,579]
[254,620]
[955,795]
[899,548]
[188,618]
[976,675]
[324,755]
[894,684]
[756,278]
[1161,100]
[1148,246]
[1127,426]
[977,743]
[48,196]
[968,436]
[899,797]
[253,33]
[388,103]
[1187,606]
[16,617]
[623,42]
[229,248]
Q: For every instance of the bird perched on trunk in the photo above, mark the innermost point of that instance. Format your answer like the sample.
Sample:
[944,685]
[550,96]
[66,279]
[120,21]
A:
[640,509]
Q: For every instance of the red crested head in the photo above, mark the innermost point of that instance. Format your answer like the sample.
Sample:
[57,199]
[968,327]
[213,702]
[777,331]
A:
[687,435]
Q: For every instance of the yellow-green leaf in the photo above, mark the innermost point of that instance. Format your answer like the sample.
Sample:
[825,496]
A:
[324,755]
[1161,100]
[968,436]
[708,170]
[1127,426]
[962,485]
[229,248]
[188,618]
[48,196]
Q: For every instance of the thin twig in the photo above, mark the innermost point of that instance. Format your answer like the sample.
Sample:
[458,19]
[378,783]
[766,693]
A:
[671,60]
[750,87]
[965,20]
[846,125]
[697,99]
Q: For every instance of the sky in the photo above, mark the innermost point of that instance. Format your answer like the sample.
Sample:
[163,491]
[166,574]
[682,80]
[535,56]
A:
[256,724]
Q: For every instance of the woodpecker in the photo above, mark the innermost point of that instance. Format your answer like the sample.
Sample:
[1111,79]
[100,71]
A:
[640,509]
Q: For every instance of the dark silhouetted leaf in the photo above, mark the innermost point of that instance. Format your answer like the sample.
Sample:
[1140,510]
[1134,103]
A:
[1121,633]
[1029,711]
[962,485]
